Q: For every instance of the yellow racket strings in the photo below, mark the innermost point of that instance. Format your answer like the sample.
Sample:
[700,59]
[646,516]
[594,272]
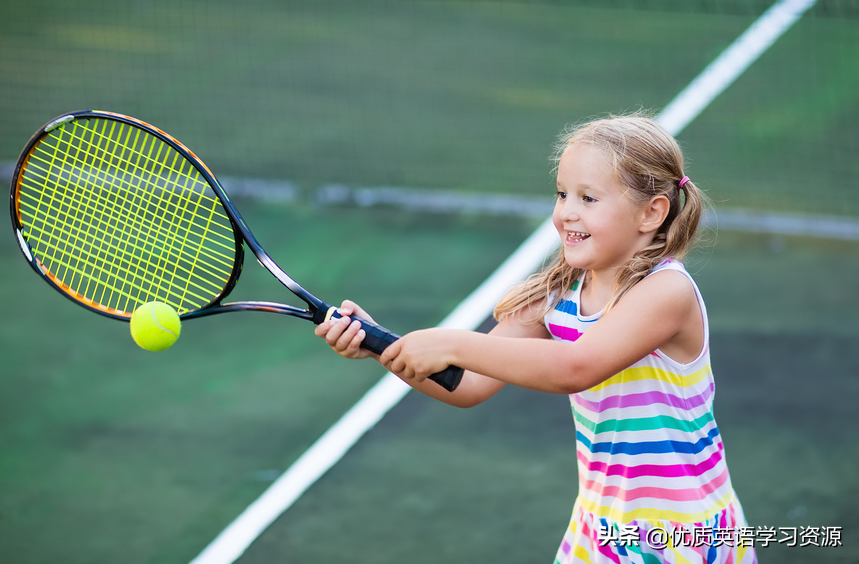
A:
[119,217]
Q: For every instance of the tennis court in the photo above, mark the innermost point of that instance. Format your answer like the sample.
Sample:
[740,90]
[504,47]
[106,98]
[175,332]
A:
[113,454]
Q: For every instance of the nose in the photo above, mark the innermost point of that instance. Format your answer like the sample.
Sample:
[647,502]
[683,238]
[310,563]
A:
[565,210]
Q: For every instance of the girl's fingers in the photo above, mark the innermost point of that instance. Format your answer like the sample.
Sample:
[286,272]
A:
[335,330]
[398,367]
[321,330]
[389,354]
[354,346]
[343,334]
[348,307]
[348,335]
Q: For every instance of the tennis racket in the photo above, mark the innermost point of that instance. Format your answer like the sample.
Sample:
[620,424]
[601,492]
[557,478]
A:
[114,213]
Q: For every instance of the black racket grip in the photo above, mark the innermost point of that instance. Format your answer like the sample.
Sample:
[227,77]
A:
[378,339]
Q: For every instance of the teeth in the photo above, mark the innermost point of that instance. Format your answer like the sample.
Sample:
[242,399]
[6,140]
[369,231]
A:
[577,235]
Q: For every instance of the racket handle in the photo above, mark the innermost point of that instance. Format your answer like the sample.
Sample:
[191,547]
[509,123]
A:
[378,339]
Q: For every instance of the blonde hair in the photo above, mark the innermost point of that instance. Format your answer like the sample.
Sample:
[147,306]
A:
[648,162]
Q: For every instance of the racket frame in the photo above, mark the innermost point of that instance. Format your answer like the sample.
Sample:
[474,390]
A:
[317,311]
[241,232]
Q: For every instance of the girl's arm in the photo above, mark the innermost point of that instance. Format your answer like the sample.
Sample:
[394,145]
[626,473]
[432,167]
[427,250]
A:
[660,310]
[476,388]
[345,338]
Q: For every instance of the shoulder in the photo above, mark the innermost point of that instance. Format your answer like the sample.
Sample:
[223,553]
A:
[670,277]
[670,288]
[670,280]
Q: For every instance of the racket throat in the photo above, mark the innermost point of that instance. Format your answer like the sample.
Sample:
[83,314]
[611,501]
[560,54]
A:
[329,313]
[324,312]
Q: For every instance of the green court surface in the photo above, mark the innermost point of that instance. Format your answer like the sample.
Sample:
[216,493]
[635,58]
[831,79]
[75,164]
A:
[496,483]
[104,442]
[112,454]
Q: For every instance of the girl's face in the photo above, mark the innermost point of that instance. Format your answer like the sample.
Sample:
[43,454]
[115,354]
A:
[599,224]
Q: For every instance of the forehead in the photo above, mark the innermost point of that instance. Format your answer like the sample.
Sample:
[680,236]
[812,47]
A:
[587,165]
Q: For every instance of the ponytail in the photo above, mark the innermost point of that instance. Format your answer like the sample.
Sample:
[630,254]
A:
[674,239]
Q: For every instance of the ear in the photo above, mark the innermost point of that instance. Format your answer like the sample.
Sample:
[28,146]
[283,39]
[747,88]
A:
[654,214]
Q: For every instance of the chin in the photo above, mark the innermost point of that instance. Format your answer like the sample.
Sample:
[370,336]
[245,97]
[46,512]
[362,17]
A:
[575,262]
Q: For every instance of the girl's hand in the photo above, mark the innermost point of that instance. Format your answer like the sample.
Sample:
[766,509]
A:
[418,355]
[344,335]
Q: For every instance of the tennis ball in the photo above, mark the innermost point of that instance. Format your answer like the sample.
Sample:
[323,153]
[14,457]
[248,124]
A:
[155,326]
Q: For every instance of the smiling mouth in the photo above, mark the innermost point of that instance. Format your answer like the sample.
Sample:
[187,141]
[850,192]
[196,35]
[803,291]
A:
[576,236]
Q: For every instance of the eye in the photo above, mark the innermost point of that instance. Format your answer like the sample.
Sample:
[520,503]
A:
[588,199]
[562,195]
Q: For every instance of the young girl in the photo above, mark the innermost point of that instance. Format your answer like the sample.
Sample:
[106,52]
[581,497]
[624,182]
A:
[617,323]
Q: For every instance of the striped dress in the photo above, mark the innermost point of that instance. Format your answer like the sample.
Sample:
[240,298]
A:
[653,481]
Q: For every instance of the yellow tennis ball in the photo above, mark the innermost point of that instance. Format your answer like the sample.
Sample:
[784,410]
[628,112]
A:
[155,326]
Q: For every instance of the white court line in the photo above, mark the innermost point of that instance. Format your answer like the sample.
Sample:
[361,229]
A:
[731,64]
[235,539]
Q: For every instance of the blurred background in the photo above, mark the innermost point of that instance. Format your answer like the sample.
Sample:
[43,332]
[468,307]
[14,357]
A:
[305,111]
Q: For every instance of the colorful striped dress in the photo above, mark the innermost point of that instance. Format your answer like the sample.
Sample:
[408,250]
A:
[653,481]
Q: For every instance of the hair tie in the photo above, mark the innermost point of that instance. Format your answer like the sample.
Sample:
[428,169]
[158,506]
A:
[683,181]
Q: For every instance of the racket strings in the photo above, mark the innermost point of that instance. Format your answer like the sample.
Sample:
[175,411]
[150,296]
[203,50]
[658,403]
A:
[119,217]
[163,168]
[80,230]
[133,223]
[113,267]
[57,246]
[225,242]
